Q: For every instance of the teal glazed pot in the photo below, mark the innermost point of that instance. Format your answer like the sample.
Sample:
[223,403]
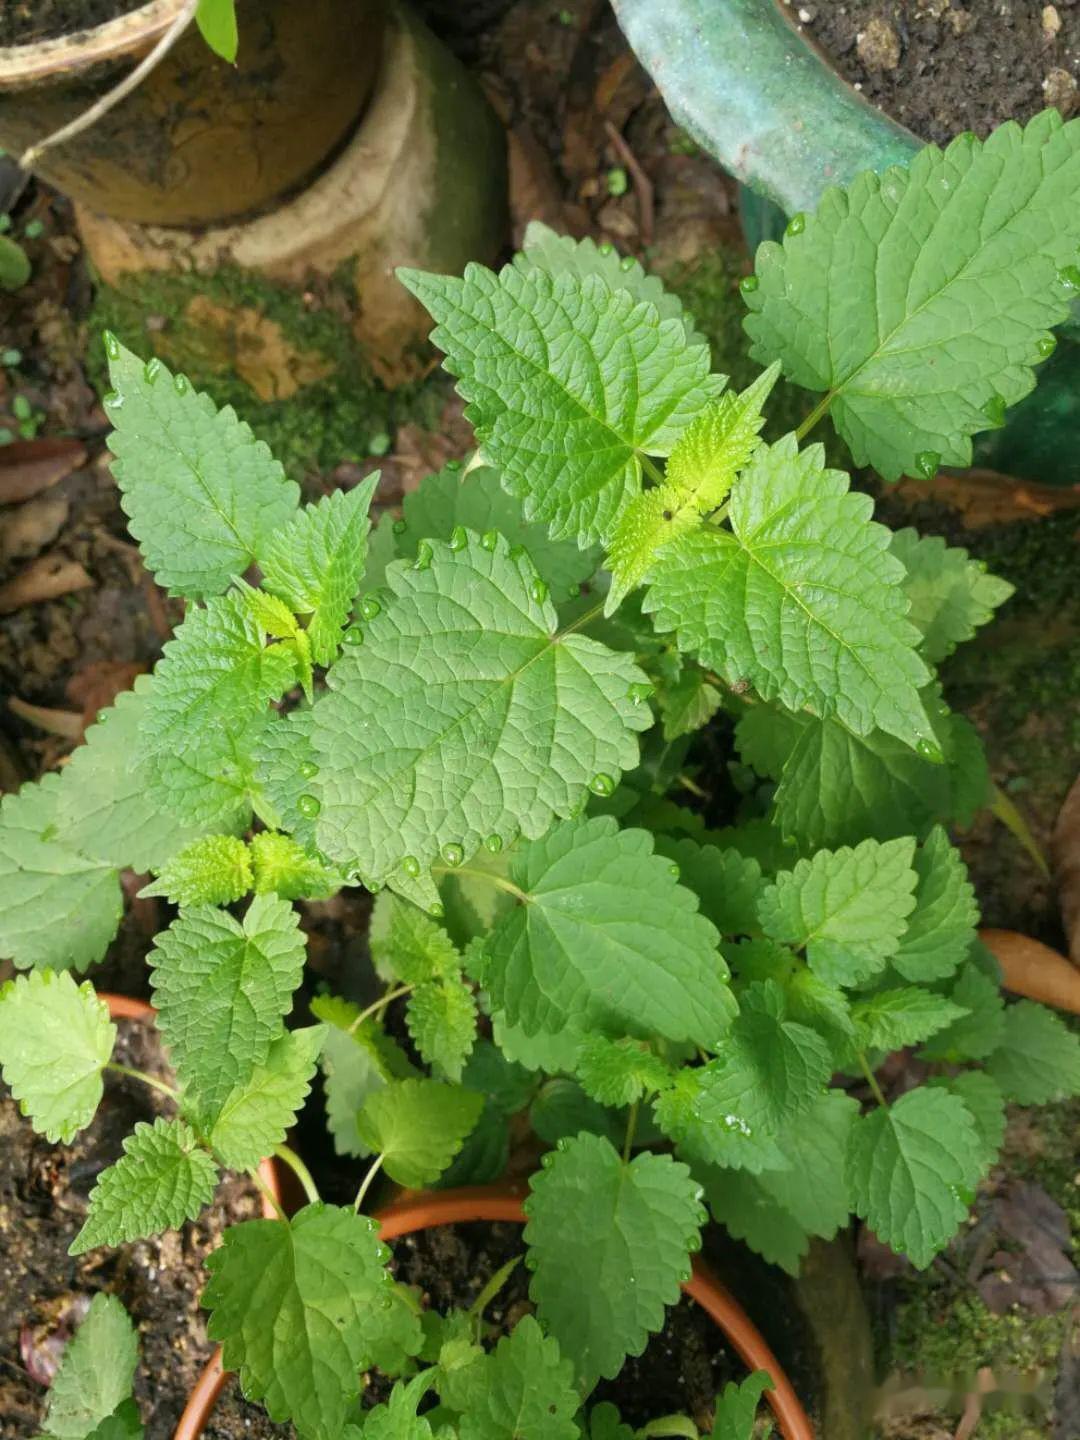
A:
[757,95]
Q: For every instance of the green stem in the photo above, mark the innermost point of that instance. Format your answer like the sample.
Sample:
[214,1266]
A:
[582,620]
[365,1184]
[377,1005]
[267,1194]
[146,1079]
[651,469]
[1003,809]
[631,1128]
[815,415]
[693,787]
[871,1080]
[496,1282]
[300,1170]
[499,881]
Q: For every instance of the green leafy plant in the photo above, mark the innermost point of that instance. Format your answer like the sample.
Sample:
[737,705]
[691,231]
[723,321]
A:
[684,975]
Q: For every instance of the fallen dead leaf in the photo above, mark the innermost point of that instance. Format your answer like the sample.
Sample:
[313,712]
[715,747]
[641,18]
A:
[1032,969]
[985,497]
[32,527]
[27,467]
[1065,856]
[45,578]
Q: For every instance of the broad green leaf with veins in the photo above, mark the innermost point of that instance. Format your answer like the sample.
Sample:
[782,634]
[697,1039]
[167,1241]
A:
[55,1039]
[256,1115]
[700,472]
[951,595]
[466,717]
[697,1115]
[441,1020]
[601,1284]
[985,1104]
[1038,1059]
[902,1015]
[215,870]
[598,903]
[418,1126]
[408,945]
[298,1308]
[162,1179]
[283,771]
[941,929]
[61,907]
[528,1390]
[980,1030]
[918,299]
[801,598]
[473,498]
[848,907]
[570,384]
[911,1168]
[282,866]
[202,495]
[545,250]
[619,1072]
[222,988]
[726,883]
[315,563]
[97,1371]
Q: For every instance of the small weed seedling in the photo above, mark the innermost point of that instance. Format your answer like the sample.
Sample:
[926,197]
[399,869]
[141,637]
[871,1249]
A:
[484,712]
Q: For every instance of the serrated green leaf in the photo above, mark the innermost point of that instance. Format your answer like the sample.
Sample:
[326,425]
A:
[418,1126]
[981,1030]
[1038,1059]
[162,1179]
[726,883]
[202,495]
[255,1116]
[465,715]
[561,1110]
[619,1072]
[474,498]
[650,522]
[397,1419]
[315,563]
[737,1407]
[61,907]
[55,1039]
[283,769]
[441,1019]
[297,1309]
[570,383]
[528,1390]
[599,903]
[125,1423]
[97,1371]
[706,1132]
[553,253]
[951,595]
[688,704]
[848,907]
[986,1105]
[408,945]
[911,1168]
[215,870]
[901,1016]
[356,1059]
[222,988]
[281,866]
[941,928]
[801,597]
[836,788]
[918,298]
[601,1285]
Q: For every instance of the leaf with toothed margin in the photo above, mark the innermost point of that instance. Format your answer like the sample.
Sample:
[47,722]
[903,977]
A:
[801,597]
[255,1116]
[941,929]
[601,1284]
[96,1374]
[418,1126]
[1038,1059]
[465,715]
[202,495]
[920,299]
[570,386]
[284,770]
[951,595]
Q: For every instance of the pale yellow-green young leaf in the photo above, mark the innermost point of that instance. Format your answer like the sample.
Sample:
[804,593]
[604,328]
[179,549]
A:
[647,524]
[215,870]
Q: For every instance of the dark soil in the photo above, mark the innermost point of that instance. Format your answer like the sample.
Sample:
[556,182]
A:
[942,68]
[24,22]
[44,1292]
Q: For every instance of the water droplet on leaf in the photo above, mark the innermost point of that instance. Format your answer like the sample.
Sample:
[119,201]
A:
[1069,276]
[493,843]
[180,384]
[458,538]
[436,911]
[994,410]
[639,691]
[308,769]
[411,866]
[674,871]
[489,539]
[539,591]
[453,464]
[424,553]
[1046,346]
[602,784]
[353,635]
[626,263]
[151,370]
[930,750]
[748,284]
[927,463]
[453,854]
[399,527]
[308,806]
[606,248]
[369,607]
[796,225]
[112,401]
[112,345]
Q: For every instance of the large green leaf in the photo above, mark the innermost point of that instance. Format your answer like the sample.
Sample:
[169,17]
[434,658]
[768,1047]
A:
[256,1115]
[951,595]
[418,1126]
[920,299]
[97,1371]
[465,717]
[1039,1057]
[801,598]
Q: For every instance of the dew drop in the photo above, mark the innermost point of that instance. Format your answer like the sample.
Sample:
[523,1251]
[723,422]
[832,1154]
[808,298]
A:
[796,225]
[561,1143]
[674,871]
[308,806]
[308,769]
[180,384]
[518,552]
[453,853]
[1069,276]
[702,1216]
[602,784]
[436,911]
[411,866]
[102,717]
[1046,346]
[547,1160]
[399,527]
[458,538]
[639,691]
[493,843]
[626,263]
[151,370]
[424,553]
[693,1243]
[927,462]
[112,345]
[369,607]
[606,248]
[994,410]
[539,591]
[748,284]
[530,1262]
[929,750]
[112,400]
[489,539]
[353,635]
[386,1303]
[453,465]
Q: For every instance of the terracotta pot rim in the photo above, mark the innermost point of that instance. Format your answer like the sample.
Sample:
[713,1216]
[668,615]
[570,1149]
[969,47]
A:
[42,60]
[425,1210]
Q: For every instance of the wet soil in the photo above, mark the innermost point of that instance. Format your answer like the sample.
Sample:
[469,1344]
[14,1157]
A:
[942,68]
[44,1291]
[24,22]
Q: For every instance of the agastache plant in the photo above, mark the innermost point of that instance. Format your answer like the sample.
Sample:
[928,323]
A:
[484,713]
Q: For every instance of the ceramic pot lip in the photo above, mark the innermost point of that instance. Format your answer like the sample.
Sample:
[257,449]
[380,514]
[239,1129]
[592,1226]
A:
[426,1209]
[41,61]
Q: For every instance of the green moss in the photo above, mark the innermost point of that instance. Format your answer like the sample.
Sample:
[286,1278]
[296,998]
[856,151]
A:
[323,423]
[944,1335]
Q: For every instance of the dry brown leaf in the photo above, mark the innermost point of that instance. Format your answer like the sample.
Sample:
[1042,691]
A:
[1032,969]
[46,578]
[985,497]
[32,527]
[27,467]
[1065,857]
[67,723]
